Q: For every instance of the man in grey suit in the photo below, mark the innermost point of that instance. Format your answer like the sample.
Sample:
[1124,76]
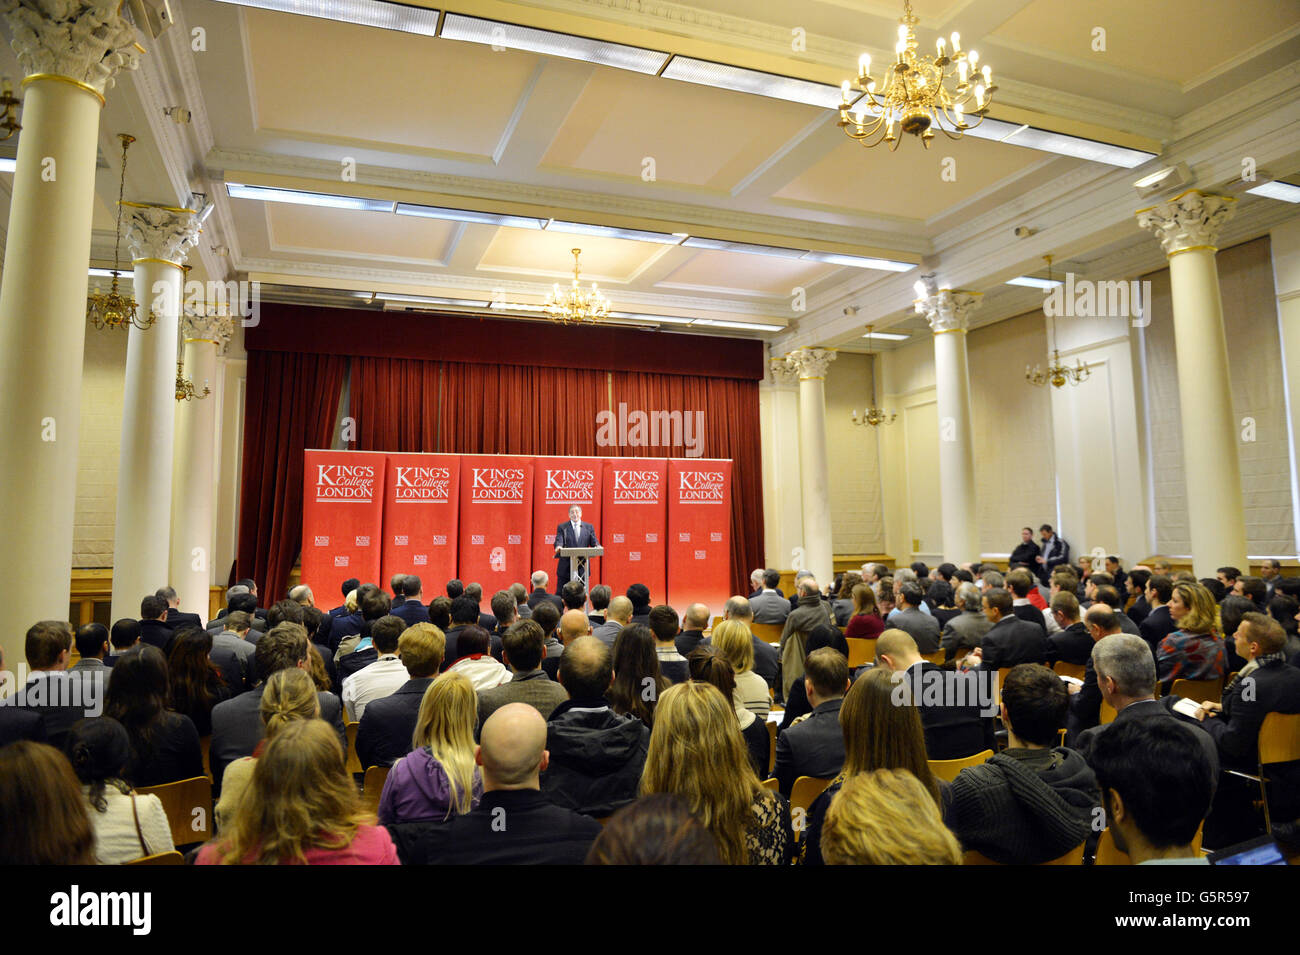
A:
[920,627]
[92,645]
[967,629]
[768,605]
[523,647]
[618,616]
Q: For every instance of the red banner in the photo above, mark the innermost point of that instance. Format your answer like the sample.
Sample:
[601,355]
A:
[421,517]
[699,533]
[342,519]
[635,517]
[496,521]
[559,483]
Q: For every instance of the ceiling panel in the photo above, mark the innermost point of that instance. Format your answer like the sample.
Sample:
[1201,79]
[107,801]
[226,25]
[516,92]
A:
[744,274]
[365,235]
[549,255]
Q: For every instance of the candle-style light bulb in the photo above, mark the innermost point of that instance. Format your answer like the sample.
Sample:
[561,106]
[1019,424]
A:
[956,43]
[988,75]
[864,64]
[940,45]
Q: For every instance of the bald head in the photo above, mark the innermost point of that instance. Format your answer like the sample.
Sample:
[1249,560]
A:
[697,617]
[738,608]
[896,649]
[574,624]
[620,609]
[808,587]
[512,748]
[586,669]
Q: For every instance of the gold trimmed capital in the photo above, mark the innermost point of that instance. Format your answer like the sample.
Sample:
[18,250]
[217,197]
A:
[811,363]
[82,42]
[160,234]
[1188,221]
[948,310]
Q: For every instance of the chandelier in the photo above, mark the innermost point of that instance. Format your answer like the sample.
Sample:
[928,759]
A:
[872,415]
[917,93]
[575,305]
[185,390]
[112,309]
[1056,374]
[8,110]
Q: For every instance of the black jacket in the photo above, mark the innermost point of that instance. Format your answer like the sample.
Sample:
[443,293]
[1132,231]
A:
[596,757]
[1157,625]
[814,747]
[1030,614]
[176,620]
[1027,554]
[1275,689]
[388,723]
[350,663]
[1146,710]
[411,611]
[1012,641]
[156,633]
[1072,645]
[18,723]
[237,729]
[952,730]
[172,754]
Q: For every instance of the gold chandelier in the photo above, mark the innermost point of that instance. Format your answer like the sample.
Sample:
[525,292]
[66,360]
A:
[575,305]
[112,309]
[185,390]
[1056,374]
[872,415]
[917,93]
[8,110]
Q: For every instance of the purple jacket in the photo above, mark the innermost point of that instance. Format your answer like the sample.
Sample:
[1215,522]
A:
[417,790]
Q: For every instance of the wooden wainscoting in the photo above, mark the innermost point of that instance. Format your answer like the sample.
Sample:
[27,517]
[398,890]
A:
[91,596]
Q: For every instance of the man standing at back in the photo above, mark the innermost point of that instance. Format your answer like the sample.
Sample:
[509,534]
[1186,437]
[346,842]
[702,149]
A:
[811,613]
[1055,552]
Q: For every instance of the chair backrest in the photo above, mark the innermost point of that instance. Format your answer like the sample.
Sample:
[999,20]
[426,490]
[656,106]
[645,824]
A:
[771,746]
[1279,738]
[1061,668]
[716,620]
[772,783]
[205,747]
[806,789]
[1108,853]
[1073,857]
[354,762]
[936,658]
[372,787]
[188,804]
[1202,691]
[948,769]
[861,651]
[159,858]
[767,632]
[1002,678]
[1107,713]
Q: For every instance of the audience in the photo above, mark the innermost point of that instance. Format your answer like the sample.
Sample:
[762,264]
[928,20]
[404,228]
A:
[196,683]
[1158,623]
[1071,643]
[708,665]
[232,636]
[17,722]
[809,614]
[388,723]
[1192,651]
[539,580]
[768,604]
[48,692]
[965,631]
[796,704]
[766,662]
[924,628]
[954,726]
[164,744]
[694,623]
[153,623]
[38,786]
[520,594]
[91,641]
[664,627]
[733,641]
[600,597]
[411,607]
[124,637]
[865,623]
[476,660]
[380,677]
[815,746]
[1010,641]
[617,616]
[655,830]
[524,649]
[638,682]
[842,606]
[883,818]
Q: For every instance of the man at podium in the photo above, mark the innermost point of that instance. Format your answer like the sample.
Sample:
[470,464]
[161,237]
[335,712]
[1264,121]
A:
[571,533]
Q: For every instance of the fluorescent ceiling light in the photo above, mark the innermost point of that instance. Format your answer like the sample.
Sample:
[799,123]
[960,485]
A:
[469,215]
[860,261]
[127,274]
[1030,282]
[748,326]
[516,307]
[1277,190]
[367,13]
[425,300]
[888,336]
[1059,143]
[667,319]
[238,190]
[476,30]
[695,242]
[741,80]
[8,165]
[611,232]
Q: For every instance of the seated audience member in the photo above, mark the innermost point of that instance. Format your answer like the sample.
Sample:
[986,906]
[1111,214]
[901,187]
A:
[485,620]
[596,755]
[939,596]
[1231,612]
[1034,801]
[539,594]
[524,648]
[766,662]
[842,605]
[655,830]
[476,660]
[1021,582]
[454,588]
[756,582]
[733,640]
[123,637]
[175,617]
[196,683]
[885,597]
[232,637]
[389,722]
[38,786]
[923,628]
[411,609]
[301,806]
[48,692]
[505,612]
[708,665]
[440,613]
[1071,643]
[639,595]
[884,818]
[153,623]
[571,626]
[289,695]
[768,604]
[1253,589]
[291,611]
[697,753]
[877,735]
[1193,651]
[1158,623]
[694,623]
[1085,699]
[953,727]
[638,682]
[548,617]
[815,746]
[574,595]
[520,594]
[808,615]
[1137,605]
[237,723]
[964,632]
[323,670]
[238,598]
[1010,641]
[438,778]
[1157,785]
[91,641]
[1109,596]
[512,755]
[617,616]
[18,722]
[1283,609]
[600,597]
[377,679]
[128,825]
[864,623]
[164,745]
[796,704]
[663,625]
[464,614]
[374,605]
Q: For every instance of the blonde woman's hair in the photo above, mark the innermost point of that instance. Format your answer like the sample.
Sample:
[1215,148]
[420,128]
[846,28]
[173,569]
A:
[864,599]
[289,695]
[1200,616]
[350,601]
[300,797]
[697,753]
[734,641]
[445,724]
[880,735]
[883,818]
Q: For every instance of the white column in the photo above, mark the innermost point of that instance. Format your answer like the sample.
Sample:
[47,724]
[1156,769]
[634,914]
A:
[948,312]
[813,464]
[1187,227]
[68,63]
[158,239]
[783,520]
[194,463]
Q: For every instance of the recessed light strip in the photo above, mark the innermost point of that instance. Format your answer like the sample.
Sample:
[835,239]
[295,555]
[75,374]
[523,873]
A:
[498,35]
[888,336]
[1277,190]
[1059,143]
[237,190]
[469,215]
[1028,281]
[367,13]
[737,79]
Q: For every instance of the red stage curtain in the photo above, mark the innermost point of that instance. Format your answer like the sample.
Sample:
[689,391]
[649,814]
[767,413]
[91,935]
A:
[290,406]
[394,402]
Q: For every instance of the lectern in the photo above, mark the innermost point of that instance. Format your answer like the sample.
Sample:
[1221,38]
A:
[578,568]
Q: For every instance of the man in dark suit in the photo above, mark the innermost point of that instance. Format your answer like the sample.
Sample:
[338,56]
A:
[388,723]
[952,731]
[349,585]
[694,622]
[618,616]
[237,723]
[464,613]
[539,581]
[18,722]
[485,620]
[49,691]
[575,532]
[411,607]
[1010,641]
[815,746]
[512,756]
[1137,584]
[1072,643]
[923,628]
[1158,623]
[175,617]
[237,598]
[1085,701]
[153,624]
[1021,582]
[1055,552]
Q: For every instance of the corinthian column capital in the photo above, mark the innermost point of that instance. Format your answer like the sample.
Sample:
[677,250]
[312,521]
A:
[948,310]
[83,40]
[154,232]
[1189,221]
[810,362]
[784,371]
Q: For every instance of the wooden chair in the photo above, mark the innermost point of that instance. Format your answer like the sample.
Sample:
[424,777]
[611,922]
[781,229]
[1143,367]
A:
[180,800]
[159,858]
[1202,691]
[861,651]
[1279,742]
[1073,857]
[1107,713]
[1061,668]
[771,745]
[947,769]
[372,786]
[354,762]
[806,789]
[1060,736]
[1002,678]
[772,784]
[716,620]
[205,747]
[936,658]
[767,632]
[1109,854]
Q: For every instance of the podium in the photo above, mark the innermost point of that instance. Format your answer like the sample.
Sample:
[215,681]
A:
[578,567]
